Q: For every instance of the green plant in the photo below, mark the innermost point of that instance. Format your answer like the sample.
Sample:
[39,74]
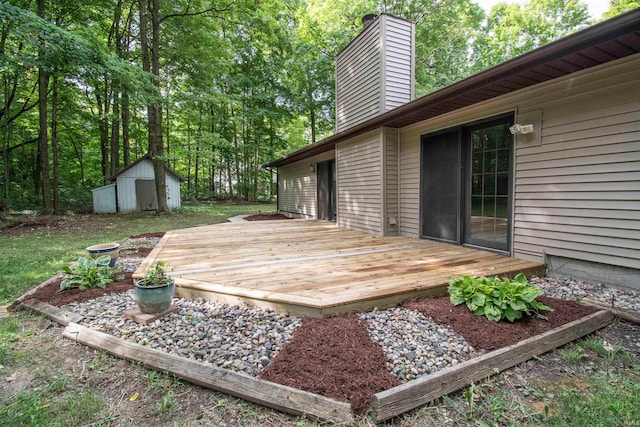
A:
[156,276]
[90,273]
[497,298]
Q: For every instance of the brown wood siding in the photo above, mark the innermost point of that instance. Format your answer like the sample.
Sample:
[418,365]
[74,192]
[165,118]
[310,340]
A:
[391,182]
[360,191]
[297,187]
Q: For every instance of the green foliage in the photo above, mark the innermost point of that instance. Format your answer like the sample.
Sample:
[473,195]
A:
[496,298]
[155,276]
[90,273]
[513,29]
[620,6]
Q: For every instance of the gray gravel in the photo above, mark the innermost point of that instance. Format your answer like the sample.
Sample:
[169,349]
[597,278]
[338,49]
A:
[577,290]
[414,344]
[234,337]
[246,339]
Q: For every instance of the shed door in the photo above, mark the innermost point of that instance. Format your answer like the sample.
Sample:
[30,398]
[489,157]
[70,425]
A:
[146,197]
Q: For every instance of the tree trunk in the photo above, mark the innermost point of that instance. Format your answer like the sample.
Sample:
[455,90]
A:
[102,101]
[54,145]
[115,134]
[43,143]
[5,145]
[154,109]
[126,145]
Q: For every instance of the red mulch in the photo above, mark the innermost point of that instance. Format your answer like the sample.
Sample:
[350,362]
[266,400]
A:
[143,235]
[335,358]
[53,295]
[485,334]
[265,217]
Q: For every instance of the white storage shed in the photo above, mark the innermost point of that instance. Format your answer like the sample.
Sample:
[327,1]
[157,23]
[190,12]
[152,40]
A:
[134,189]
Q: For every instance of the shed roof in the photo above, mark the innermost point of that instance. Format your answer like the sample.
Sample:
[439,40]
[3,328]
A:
[140,160]
[601,43]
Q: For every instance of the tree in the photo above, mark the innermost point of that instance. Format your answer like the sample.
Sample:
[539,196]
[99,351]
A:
[513,30]
[619,7]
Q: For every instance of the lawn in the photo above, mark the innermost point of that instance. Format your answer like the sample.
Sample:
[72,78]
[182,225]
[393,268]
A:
[30,257]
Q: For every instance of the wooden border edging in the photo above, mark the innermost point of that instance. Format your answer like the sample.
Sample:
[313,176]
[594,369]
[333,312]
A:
[54,313]
[622,313]
[400,399]
[276,396]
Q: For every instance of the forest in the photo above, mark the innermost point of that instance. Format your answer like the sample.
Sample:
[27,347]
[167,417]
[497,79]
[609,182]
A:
[212,88]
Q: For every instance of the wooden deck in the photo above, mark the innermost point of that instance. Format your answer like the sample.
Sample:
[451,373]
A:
[314,268]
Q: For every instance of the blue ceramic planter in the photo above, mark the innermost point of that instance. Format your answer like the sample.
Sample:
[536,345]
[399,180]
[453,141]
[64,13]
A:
[154,299]
[111,249]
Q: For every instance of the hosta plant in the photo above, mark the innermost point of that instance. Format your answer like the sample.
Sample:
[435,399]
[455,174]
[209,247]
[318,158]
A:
[497,298]
[90,273]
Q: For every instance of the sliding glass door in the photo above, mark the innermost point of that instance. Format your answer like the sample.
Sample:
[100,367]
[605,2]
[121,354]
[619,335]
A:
[465,188]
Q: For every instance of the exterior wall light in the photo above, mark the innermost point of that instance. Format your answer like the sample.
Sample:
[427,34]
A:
[523,129]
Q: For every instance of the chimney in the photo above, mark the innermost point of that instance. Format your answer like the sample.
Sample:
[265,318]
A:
[374,72]
[368,19]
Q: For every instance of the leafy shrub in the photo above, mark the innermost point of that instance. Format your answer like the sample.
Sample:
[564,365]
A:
[497,298]
[89,273]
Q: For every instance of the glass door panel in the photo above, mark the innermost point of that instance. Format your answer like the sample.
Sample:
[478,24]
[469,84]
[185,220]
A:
[487,222]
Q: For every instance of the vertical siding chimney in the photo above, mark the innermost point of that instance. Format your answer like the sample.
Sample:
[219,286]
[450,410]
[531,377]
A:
[375,72]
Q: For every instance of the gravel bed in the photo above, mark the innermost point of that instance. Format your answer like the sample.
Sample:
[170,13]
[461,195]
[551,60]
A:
[577,290]
[414,344]
[234,337]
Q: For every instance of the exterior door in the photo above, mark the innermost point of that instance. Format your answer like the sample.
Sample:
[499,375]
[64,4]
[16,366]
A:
[146,195]
[440,186]
[326,185]
[488,206]
[465,188]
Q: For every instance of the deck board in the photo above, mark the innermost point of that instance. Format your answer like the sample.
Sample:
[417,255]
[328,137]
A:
[314,268]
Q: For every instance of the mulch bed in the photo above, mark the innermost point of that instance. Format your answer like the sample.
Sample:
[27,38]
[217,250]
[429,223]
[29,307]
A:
[485,334]
[335,358]
[52,294]
[265,217]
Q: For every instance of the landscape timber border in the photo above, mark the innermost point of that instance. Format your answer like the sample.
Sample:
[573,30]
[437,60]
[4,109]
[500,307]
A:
[384,405]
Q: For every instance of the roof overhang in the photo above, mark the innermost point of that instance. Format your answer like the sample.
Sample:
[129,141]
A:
[601,43]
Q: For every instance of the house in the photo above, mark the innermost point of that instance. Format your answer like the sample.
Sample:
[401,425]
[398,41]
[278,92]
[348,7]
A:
[133,189]
[537,158]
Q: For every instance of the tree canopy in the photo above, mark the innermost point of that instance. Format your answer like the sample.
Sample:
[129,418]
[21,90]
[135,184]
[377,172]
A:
[212,88]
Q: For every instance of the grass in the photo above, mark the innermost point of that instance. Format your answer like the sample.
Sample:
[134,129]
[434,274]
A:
[606,399]
[30,258]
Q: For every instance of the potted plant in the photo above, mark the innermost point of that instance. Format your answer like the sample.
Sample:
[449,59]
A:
[110,249]
[155,291]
